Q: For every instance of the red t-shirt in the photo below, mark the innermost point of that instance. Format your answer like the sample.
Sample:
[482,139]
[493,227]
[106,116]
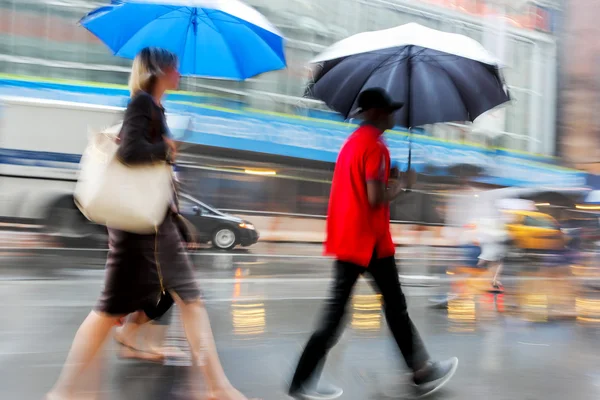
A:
[354,228]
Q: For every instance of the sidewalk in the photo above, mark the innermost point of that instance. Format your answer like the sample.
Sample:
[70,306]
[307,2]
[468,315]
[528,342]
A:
[272,229]
[312,230]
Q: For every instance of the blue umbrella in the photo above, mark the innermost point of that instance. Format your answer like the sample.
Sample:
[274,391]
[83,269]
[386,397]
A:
[213,38]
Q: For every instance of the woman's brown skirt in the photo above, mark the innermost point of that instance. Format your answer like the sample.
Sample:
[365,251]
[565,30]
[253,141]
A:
[135,264]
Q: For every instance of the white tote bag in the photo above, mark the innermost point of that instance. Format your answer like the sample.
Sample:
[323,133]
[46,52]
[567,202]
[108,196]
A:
[130,198]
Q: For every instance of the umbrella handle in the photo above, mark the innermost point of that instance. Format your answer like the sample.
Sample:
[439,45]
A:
[409,155]
[409,71]
[410,137]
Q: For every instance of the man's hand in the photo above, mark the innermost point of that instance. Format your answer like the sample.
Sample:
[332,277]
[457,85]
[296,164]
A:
[379,194]
[409,178]
[395,173]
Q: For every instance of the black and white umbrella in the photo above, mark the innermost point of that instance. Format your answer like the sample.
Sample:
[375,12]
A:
[439,76]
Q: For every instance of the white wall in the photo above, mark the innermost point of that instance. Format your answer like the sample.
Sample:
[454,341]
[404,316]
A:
[51,126]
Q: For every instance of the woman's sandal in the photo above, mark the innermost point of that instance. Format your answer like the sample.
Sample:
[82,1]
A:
[497,288]
[128,352]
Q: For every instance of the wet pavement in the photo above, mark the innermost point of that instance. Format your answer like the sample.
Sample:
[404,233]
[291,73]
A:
[263,304]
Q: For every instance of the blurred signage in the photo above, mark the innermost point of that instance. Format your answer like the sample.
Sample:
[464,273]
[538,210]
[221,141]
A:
[468,6]
[544,19]
[524,15]
[308,138]
[321,141]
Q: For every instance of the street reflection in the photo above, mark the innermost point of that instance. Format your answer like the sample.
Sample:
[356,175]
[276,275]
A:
[535,307]
[248,316]
[366,312]
[548,293]
[588,265]
[237,286]
[462,313]
[588,310]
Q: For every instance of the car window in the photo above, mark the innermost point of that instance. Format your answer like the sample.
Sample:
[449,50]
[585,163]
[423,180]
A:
[206,211]
[187,207]
[540,223]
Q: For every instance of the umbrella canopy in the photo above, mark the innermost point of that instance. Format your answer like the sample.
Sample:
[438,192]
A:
[213,38]
[440,77]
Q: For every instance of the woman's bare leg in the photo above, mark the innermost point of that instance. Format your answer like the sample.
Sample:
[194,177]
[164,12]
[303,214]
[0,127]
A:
[490,276]
[499,266]
[155,336]
[90,384]
[204,351]
[89,339]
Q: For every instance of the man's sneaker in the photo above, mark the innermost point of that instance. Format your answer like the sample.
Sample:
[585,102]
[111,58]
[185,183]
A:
[324,391]
[435,376]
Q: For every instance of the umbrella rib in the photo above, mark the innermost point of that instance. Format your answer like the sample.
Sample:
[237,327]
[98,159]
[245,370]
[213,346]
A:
[453,83]
[496,106]
[187,36]
[233,55]
[232,20]
[435,60]
[368,77]
[384,63]
[170,8]
[356,97]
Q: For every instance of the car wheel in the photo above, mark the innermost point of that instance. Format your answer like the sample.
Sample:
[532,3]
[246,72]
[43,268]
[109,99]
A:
[224,238]
[66,223]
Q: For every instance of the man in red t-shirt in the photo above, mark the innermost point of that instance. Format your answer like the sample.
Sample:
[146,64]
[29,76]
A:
[358,236]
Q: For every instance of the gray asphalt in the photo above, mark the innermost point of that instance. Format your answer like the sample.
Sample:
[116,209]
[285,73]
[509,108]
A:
[263,304]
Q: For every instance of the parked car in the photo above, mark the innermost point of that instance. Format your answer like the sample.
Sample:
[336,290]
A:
[223,230]
[535,231]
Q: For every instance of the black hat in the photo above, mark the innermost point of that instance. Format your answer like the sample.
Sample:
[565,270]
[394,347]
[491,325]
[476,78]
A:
[376,98]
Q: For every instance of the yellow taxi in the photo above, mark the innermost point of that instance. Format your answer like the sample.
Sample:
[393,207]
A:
[533,230]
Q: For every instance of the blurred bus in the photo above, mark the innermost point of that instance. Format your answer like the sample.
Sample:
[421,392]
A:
[39,159]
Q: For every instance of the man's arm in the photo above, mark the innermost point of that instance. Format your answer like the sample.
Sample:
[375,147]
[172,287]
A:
[376,169]
[379,194]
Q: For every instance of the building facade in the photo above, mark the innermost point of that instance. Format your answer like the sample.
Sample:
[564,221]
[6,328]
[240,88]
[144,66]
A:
[579,123]
[41,38]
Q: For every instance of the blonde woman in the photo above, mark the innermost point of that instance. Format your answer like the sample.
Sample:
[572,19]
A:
[140,267]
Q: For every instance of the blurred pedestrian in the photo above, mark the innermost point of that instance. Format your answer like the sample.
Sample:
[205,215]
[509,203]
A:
[492,239]
[139,266]
[358,235]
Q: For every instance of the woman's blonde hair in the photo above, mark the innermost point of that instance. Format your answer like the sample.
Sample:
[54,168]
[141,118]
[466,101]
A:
[148,65]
